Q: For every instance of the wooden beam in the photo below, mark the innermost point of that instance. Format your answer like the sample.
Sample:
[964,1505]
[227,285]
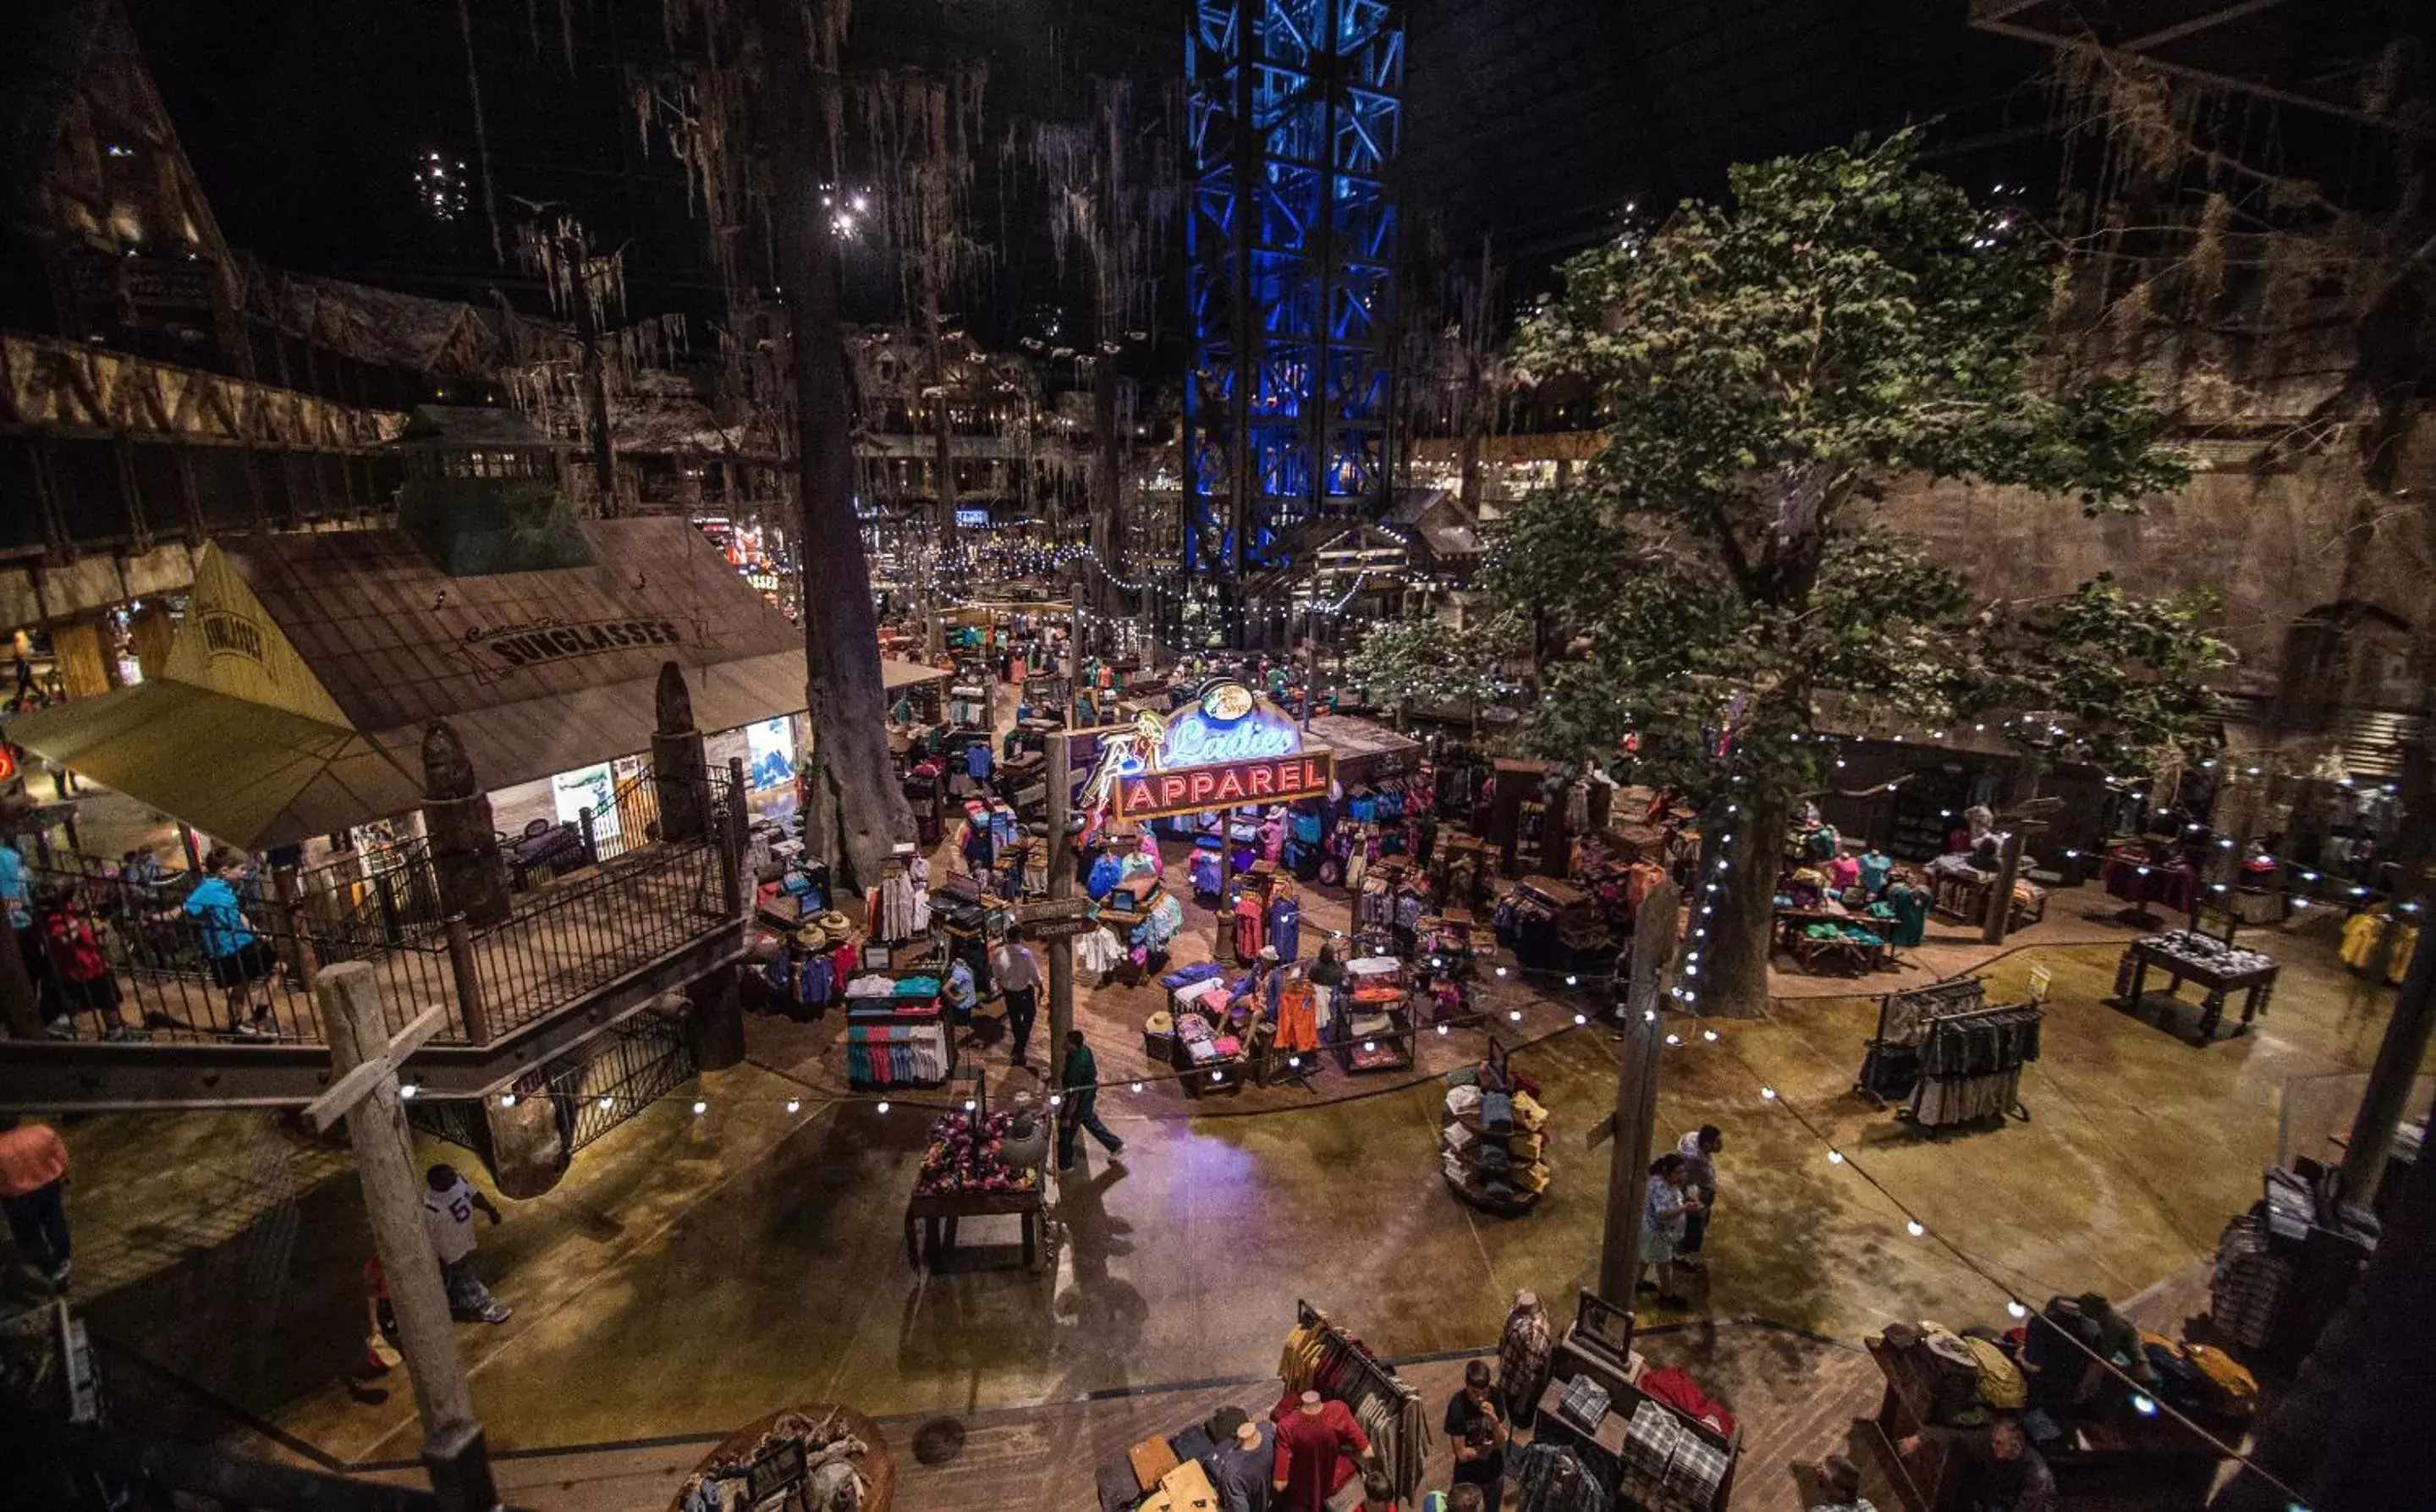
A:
[2194,25]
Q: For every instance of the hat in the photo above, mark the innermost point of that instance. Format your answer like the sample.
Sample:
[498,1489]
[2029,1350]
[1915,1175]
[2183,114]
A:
[834,922]
[1269,954]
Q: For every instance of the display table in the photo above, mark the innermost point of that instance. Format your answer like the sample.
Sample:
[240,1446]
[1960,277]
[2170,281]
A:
[2218,968]
[1842,952]
[758,1456]
[938,1211]
[2135,1462]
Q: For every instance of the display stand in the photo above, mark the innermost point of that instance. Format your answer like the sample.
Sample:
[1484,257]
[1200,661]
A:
[1842,950]
[1646,1454]
[782,1461]
[1344,1368]
[2187,955]
[949,1185]
[1374,1032]
[1964,900]
[1891,1064]
[1206,1053]
[1510,1182]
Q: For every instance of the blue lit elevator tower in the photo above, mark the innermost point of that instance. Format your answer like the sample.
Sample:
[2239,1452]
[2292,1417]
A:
[1291,240]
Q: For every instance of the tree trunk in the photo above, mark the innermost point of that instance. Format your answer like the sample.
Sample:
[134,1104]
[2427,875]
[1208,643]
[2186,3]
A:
[1732,980]
[595,381]
[859,809]
[1108,503]
[2351,1434]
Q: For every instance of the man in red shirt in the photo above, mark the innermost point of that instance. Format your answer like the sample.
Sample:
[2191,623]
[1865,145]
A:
[33,1183]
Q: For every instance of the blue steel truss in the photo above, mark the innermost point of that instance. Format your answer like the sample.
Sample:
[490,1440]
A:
[1290,242]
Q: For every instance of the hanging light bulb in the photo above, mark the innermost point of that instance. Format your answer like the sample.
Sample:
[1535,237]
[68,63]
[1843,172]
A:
[1674,1040]
[2016,1308]
[1138,1086]
[1581,1018]
[1516,1016]
[1768,1094]
[794,1104]
[1709,1034]
[1834,1157]
[700,1107]
[970,1105]
[2144,1404]
[884,1105]
[506,1099]
[1443,1030]
[600,1102]
[1915,1228]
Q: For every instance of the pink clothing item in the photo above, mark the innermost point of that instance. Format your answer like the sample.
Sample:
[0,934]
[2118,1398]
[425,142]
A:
[1844,871]
[31,1157]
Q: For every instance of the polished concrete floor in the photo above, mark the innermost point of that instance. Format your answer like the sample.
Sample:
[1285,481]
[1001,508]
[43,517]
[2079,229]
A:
[695,1271]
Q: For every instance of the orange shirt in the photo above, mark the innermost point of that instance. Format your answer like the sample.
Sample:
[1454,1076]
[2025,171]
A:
[31,1157]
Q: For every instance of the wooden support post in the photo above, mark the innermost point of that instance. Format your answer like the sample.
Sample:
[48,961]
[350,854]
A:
[2398,1057]
[2000,897]
[473,1014]
[1636,1091]
[736,887]
[291,912]
[1061,885]
[20,1006]
[352,1015]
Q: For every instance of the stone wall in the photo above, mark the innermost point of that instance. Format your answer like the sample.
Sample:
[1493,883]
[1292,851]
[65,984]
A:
[2275,546]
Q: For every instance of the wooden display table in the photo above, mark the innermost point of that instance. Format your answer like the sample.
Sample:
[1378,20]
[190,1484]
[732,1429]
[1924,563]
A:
[877,1465]
[1842,951]
[2134,1462]
[2142,956]
[938,1211]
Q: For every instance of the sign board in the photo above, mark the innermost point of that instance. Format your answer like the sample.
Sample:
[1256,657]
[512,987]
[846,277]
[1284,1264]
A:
[2042,977]
[1058,918]
[1225,785]
[780,1468]
[1228,747]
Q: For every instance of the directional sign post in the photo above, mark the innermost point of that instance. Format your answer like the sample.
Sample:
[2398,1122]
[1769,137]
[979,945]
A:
[367,1057]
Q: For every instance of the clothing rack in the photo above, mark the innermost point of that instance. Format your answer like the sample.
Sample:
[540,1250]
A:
[1890,1068]
[1971,1064]
[1398,1426]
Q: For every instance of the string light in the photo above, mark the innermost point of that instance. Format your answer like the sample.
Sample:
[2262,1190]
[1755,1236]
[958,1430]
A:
[1834,1157]
[794,1104]
[884,1105]
[700,1107]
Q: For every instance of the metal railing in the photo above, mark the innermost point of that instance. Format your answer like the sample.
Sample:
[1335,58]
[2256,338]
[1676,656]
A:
[198,975]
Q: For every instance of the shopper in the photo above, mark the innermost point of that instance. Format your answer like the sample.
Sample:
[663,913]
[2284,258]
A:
[1699,1151]
[1378,1492]
[1079,1081]
[959,993]
[1243,1465]
[1476,1426]
[17,901]
[1018,976]
[33,1194]
[2001,1472]
[1455,1499]
[1665,1206]
[79,972]
[1327,978]
[237,959]
[448,1208]
[1839,1480]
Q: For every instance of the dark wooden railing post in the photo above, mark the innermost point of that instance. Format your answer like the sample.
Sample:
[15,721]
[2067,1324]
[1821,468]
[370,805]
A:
[291,907]
[591,846]
[461,965]
[734,888]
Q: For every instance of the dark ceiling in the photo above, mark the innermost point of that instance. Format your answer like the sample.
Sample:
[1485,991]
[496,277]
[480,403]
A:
[1533,121]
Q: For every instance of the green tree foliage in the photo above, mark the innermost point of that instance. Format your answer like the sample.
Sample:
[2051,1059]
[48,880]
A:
[1400,663]
[1770,366]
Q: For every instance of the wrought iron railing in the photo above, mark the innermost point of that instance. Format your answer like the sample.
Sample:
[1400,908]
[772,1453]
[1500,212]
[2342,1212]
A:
[199,975]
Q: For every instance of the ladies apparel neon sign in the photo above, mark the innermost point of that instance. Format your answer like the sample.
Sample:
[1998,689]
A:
[1194,741]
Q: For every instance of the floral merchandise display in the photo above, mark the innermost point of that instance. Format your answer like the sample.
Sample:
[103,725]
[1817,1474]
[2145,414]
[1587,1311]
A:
[964,1157]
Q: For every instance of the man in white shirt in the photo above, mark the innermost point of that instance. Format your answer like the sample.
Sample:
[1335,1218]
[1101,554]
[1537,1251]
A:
[1019,976]
[449,1203]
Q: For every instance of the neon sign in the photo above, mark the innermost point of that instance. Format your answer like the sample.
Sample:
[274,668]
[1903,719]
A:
[1228,747]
